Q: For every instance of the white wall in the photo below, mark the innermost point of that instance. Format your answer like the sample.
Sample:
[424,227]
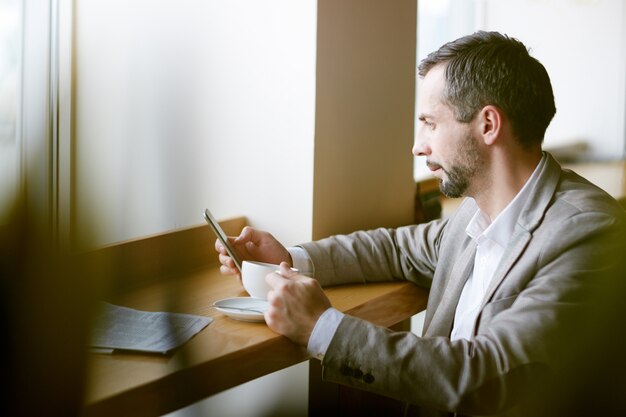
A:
[182,105]
[282,393]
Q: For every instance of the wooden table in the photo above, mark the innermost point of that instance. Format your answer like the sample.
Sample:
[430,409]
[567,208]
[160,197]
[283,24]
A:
[227,352]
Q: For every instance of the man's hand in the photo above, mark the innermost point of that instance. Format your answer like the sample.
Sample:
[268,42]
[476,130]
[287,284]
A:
[252,245]
[295,304]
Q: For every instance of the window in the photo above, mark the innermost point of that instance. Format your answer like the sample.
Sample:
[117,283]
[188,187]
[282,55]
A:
[10,70]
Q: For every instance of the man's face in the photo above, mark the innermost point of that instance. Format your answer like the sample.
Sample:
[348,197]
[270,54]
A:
[451,148]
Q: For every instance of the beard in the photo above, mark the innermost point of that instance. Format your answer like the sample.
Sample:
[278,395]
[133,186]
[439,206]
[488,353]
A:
[467,162]
[457,183]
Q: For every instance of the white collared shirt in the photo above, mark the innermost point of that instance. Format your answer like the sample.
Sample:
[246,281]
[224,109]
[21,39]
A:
[491,239]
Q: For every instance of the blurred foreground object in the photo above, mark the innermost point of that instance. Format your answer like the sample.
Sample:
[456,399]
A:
[47,298]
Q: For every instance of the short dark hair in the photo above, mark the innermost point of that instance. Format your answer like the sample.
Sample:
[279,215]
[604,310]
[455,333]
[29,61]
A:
[489,68]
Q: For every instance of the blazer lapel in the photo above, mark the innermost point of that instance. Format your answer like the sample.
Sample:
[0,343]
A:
[528,220]
[441,323]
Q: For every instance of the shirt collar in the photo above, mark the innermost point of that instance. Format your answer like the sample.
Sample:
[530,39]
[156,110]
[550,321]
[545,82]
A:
[501,229]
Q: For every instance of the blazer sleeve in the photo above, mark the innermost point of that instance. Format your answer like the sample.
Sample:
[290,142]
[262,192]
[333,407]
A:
[531,329]
[406,253]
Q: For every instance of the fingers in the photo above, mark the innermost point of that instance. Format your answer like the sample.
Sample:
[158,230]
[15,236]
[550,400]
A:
[284,274]
[224,270]
[247,241]
[228,266]
[273,315]
[248,234]
[286,277]
[286,270]
[227,261]
[219,247]
[275,280]
[295,304]
[252,244]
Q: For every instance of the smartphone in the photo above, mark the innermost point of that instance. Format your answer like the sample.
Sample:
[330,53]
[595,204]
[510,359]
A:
[222,237]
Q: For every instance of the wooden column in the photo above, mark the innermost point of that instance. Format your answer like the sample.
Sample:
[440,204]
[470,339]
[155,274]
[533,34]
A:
[363,167]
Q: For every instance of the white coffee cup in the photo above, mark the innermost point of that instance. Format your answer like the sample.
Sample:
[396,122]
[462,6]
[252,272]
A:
[253,278]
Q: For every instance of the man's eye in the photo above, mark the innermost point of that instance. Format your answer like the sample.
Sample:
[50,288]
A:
[429,124]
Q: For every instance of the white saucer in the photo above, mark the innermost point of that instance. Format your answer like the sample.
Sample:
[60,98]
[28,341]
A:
[242,308]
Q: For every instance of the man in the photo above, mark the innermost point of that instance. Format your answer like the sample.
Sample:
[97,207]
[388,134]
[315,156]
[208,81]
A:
[511,275]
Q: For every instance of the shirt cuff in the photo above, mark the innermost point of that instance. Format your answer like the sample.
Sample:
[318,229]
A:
[323,332]
[301,260]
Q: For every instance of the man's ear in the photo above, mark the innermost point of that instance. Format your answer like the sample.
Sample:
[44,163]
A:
[490,124]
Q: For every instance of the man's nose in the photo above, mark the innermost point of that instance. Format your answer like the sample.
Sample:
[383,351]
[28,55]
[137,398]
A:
[420,147]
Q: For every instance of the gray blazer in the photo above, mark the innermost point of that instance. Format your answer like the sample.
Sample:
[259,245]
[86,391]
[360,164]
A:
[558,263]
